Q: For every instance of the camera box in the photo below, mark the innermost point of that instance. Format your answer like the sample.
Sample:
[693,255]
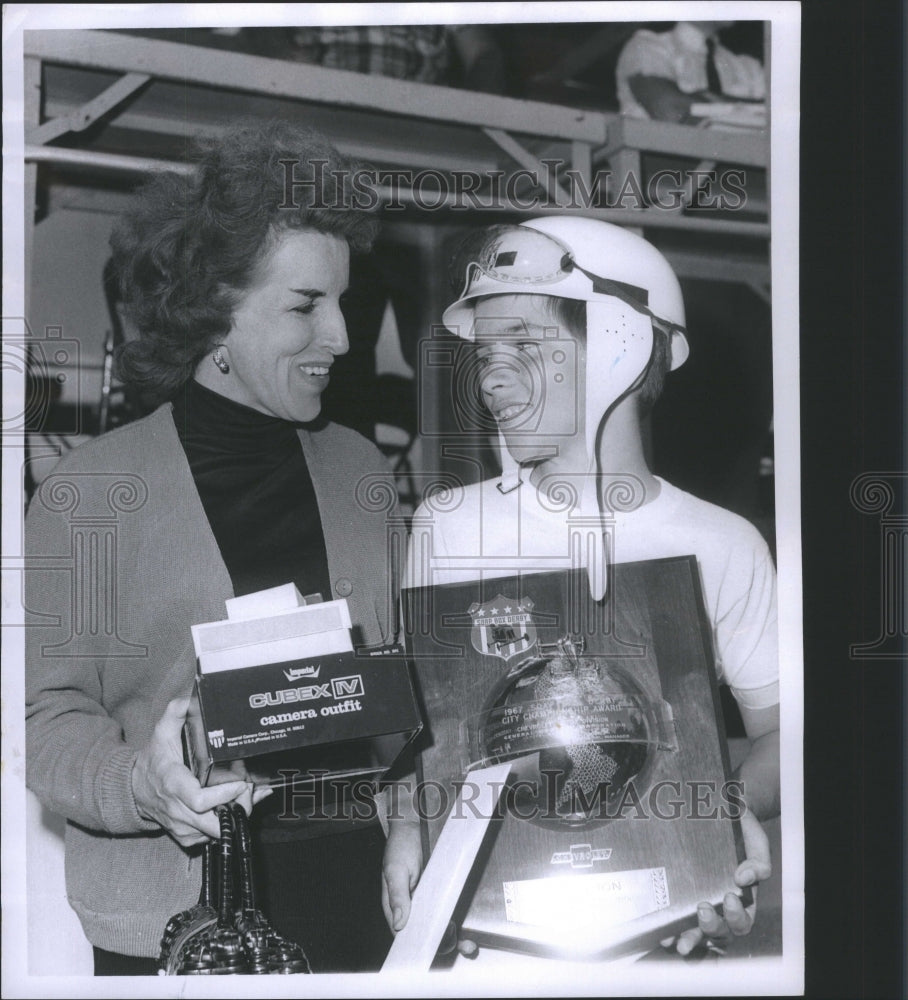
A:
[285,693]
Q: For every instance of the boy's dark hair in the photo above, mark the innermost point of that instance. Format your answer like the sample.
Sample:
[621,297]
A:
[571,314]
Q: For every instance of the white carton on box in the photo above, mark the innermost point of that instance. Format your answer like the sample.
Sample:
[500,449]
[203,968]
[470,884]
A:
[297,647]
[291,633]
[264,602]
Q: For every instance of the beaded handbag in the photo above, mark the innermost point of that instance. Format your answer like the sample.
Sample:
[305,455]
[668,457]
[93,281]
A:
[225,933]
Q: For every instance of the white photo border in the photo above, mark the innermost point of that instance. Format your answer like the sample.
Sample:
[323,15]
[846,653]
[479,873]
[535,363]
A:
[784,976]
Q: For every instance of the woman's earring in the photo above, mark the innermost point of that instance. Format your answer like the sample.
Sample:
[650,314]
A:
[221,361]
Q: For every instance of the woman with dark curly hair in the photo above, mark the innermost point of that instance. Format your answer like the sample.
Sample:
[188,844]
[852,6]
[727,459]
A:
[233,276]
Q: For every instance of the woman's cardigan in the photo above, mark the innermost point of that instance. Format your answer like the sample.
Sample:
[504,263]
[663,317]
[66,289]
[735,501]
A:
[120,563]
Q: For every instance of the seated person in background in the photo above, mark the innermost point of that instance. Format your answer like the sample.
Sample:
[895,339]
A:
[660,75]
[576,324]
[446,55]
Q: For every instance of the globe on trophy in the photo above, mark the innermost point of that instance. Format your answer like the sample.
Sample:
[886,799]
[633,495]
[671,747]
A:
[578,728]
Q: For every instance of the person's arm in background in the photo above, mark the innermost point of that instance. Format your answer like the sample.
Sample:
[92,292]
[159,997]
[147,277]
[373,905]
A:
[648,82]
[663,101]
[759,774]
[748,649]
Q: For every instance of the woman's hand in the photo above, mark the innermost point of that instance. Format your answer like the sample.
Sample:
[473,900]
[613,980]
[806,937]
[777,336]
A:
[401,869]
[253,794]
[168,793]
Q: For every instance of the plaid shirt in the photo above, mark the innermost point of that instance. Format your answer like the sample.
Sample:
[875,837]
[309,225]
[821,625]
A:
[406,51]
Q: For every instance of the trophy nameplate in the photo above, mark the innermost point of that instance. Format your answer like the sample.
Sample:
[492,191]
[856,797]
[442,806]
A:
[620,815]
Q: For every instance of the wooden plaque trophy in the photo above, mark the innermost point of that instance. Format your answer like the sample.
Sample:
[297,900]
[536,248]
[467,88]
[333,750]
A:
[618,814]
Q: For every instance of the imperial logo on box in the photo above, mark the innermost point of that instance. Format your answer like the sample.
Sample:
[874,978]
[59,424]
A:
[300,672]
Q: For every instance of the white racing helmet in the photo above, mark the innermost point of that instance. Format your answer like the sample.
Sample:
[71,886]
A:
[580,258]
[626,282]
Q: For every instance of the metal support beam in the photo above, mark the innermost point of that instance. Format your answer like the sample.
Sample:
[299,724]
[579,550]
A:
[748,147]
[195,65]
[655,218]
[624,164]
[582,161]
[373,149]
[692,184]
[751,271]
[31,114]
[581,157]
[90,112]
[115,162]
[529,162]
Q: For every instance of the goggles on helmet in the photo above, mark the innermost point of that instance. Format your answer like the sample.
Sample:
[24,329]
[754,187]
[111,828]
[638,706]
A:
[519,255]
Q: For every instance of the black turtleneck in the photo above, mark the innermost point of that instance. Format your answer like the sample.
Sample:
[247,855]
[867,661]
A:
[251,475]
[256,489]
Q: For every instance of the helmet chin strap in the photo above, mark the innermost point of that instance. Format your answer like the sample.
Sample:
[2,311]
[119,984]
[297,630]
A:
[619,348]
[619,345]
[510,468]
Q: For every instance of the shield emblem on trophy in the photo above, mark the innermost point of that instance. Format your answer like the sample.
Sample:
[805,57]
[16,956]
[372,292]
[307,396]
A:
[503,627]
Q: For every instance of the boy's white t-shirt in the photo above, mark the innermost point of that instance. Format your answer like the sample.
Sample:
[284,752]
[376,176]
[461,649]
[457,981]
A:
[478,532]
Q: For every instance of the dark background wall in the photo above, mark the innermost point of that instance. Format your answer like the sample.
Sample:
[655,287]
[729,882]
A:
[853,421]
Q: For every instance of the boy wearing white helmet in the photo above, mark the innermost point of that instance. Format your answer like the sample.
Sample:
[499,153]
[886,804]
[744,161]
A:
[576,322]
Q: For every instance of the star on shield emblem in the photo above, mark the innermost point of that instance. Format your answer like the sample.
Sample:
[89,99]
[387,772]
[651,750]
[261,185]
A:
[503,627]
